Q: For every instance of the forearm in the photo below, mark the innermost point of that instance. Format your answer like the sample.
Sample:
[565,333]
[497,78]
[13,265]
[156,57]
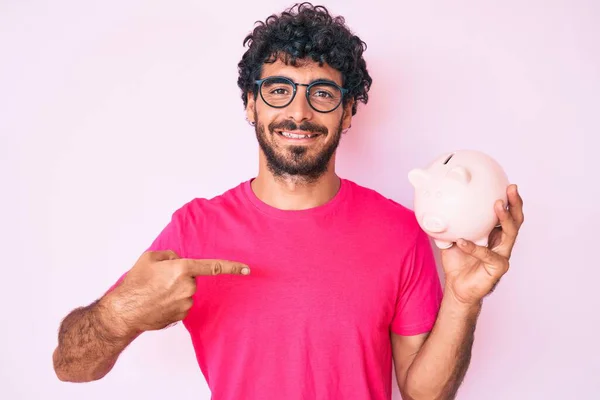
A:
[441,364]
[90,340]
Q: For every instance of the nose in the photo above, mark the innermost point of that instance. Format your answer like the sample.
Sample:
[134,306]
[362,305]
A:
[434,224]
[299,109]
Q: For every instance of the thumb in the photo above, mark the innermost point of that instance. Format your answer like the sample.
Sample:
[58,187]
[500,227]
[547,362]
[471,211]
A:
[163,255]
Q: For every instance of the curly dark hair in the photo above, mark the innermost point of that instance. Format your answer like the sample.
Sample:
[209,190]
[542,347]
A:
[301,32]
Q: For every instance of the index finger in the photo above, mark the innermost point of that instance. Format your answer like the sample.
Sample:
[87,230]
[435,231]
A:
[509,230]
[197,267]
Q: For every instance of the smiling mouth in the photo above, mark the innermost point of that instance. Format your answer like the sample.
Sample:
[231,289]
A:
[291,135]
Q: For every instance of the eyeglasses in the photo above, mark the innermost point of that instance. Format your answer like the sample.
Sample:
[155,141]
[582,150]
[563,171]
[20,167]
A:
[323,96]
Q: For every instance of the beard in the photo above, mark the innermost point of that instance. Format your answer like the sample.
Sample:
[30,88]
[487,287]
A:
[296,161]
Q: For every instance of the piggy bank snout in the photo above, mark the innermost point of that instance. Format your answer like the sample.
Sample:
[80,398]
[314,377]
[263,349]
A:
[434,224]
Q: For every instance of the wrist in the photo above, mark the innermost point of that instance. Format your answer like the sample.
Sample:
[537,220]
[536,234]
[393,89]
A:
[459,306]
[113,316]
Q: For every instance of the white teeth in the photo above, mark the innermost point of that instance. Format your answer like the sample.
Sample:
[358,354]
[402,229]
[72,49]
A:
[294,136]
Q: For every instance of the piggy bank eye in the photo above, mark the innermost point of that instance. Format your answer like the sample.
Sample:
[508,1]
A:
[426,193]
[438,194]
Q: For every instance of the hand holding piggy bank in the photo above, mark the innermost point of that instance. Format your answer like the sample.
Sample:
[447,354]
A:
[455,196]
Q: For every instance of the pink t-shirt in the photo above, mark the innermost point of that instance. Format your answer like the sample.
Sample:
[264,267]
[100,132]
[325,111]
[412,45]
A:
[313,319]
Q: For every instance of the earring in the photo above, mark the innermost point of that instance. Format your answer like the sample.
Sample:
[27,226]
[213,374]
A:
[251,122]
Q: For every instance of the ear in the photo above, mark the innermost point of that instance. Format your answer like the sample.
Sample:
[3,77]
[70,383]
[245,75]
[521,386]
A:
[459,174]
[417,177]
[250,107]
[347,117]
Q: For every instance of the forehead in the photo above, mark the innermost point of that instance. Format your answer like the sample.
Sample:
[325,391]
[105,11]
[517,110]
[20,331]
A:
[305,71]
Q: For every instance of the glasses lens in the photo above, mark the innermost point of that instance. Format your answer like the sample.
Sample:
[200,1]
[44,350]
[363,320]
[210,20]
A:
[277,92]
[324,96]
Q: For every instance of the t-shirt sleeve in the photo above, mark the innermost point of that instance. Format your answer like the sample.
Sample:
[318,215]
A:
[170,238]
[420,292]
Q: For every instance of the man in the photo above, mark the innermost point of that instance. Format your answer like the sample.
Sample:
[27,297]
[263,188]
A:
[299,284]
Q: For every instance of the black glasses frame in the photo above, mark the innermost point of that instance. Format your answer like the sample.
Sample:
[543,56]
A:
[295,85]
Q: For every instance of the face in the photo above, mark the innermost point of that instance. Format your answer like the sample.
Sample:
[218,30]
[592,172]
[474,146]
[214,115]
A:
[309,156]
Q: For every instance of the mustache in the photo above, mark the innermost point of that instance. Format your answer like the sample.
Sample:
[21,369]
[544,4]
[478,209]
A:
[287,125]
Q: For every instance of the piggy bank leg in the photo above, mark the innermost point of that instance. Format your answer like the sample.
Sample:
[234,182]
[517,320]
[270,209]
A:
[442,244]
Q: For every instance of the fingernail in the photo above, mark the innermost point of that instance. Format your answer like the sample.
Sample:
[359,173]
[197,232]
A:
[245,271]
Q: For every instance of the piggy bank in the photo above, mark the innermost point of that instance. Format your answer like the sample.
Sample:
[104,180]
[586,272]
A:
[455,195]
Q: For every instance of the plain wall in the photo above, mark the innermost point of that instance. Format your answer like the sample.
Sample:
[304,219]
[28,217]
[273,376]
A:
[113,114]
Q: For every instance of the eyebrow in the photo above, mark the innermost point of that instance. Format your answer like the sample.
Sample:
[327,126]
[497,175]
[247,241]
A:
[314,80]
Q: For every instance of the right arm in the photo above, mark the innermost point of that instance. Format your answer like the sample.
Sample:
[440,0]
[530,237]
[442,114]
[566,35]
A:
[156,292]
[90,339]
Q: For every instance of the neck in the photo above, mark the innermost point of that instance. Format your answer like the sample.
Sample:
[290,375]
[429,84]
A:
[294,193]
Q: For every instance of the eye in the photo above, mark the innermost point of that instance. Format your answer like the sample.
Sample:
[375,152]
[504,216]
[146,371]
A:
[438,194]
[426,193]
[323,93]
[279,91]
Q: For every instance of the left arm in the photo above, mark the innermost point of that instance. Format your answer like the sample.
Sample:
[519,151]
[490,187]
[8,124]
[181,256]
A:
[433,365]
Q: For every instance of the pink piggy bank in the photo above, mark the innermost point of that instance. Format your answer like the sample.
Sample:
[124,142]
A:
[455,196]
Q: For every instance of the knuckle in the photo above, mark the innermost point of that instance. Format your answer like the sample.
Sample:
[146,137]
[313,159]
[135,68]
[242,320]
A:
[171,255]
[217,268]
[495,286]
[188,303]
[190,289]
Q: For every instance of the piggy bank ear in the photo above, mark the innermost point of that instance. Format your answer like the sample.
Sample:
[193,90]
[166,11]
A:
[418,177]
[459,174]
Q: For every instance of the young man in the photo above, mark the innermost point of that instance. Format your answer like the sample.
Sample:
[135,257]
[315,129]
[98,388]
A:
[299,284]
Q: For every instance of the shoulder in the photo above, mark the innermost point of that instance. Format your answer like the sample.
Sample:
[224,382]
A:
[384,210]
[198,209]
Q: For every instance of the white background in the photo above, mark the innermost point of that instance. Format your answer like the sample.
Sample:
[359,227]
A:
[115,113]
